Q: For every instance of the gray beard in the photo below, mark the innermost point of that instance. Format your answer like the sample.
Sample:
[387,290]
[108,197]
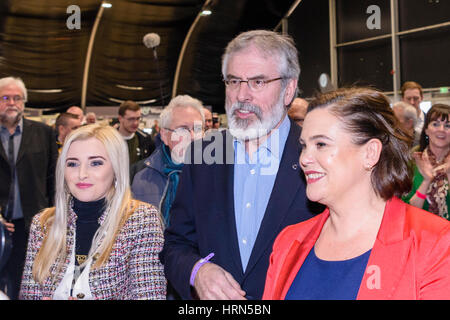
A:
[250,129]
[10,121]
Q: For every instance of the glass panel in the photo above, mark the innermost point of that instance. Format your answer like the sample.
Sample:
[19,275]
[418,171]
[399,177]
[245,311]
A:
[424,58]
[420,13]
[366,64]
[352,19]
[313,47]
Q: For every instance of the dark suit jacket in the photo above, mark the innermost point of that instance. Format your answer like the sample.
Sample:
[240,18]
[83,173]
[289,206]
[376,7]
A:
[36,162]
[203,219]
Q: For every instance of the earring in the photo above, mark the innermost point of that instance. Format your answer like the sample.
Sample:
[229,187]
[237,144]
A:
[368,167]
[115,183]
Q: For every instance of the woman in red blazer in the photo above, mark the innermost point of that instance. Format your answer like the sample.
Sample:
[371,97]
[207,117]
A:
[367,244]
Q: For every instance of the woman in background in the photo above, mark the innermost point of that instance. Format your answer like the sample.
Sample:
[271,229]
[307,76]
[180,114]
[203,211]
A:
[97,242]
[432,164]
[367,244]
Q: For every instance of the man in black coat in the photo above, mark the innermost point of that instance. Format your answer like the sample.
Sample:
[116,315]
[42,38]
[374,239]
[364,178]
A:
[28,157]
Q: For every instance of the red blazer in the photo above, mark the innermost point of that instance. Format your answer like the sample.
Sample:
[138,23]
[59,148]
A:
[409,260]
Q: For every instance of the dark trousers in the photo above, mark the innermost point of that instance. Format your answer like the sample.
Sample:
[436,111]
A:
[11,275]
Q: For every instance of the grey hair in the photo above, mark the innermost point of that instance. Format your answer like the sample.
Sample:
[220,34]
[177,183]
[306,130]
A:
[409,112]
[180,101]
[271,44]
[4,82]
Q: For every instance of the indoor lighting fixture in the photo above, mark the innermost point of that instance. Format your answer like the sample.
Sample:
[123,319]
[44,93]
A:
[45,90]
[138,102]
[106,5]
[121,86]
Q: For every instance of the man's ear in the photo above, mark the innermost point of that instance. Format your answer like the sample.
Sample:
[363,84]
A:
[289,93]
[164,136]
[60,128]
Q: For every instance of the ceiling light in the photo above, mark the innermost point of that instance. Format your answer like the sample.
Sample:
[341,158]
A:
[106,5]
[45,90]
[206,12]
[138,102]
[121,86]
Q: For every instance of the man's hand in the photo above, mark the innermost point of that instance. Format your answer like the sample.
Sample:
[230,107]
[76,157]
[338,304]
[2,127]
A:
[9,226]
[214,283]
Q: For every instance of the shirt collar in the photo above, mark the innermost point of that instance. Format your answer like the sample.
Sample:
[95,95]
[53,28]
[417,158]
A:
[19,127]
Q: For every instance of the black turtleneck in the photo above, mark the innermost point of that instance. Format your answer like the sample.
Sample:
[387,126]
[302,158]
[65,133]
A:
[87,224]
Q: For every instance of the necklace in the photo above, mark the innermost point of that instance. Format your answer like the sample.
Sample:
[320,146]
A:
[81,258]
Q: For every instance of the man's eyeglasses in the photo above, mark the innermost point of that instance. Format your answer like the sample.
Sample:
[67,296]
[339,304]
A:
[183,130]
[253,84]
[5,99]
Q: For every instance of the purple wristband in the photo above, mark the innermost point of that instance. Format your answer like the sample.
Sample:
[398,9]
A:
[198,265]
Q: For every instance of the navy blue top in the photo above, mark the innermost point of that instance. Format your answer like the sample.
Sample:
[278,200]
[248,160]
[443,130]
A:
[328,280]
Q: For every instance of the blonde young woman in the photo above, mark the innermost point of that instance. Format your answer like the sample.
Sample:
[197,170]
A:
[97,242]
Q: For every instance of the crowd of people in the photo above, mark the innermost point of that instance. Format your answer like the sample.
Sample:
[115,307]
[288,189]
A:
[340,197]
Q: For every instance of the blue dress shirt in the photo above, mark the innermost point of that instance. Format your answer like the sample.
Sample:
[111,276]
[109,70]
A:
[254,178]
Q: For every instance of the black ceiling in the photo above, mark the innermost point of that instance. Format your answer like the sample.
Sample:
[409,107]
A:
[37,45]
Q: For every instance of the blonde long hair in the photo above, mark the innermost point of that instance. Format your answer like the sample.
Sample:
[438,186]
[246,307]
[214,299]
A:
[118,204]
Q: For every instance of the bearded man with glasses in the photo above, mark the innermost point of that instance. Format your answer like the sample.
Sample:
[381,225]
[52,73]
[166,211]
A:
[27,164]
[227,213]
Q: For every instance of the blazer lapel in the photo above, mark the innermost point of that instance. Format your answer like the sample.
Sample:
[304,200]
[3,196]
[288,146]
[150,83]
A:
[25,141]
[3,154]
[389,255]
[295,258]
[384,270]
[281,197]
[224,184]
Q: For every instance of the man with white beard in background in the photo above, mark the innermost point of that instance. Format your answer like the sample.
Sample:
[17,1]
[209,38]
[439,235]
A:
[221,233]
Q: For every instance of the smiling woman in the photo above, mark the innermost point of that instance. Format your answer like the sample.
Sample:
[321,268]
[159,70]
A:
[367,244]
[74,246]
[89,174]
[432,164]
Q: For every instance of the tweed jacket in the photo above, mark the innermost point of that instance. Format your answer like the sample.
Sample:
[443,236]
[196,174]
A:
[132,271]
